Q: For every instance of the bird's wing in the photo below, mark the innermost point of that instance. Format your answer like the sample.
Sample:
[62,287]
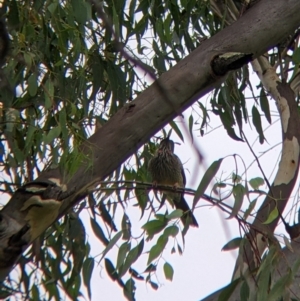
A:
[182,171]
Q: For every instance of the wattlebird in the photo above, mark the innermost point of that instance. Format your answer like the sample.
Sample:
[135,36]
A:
[166,169]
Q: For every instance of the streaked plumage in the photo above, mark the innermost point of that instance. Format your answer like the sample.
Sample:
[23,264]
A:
[166,169]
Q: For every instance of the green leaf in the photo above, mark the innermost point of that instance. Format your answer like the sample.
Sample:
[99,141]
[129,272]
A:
[244,291]
[233,244]
[168,270]
[175,214]
[175,127]
[49,93]
[111,243]
[157,249]
[171,231]
[208,176]
[272,216]
[296,56]
[256,182]
[132,256]
[32,84]
[123,250]
[264,104]
[81,11]
[279,288]
[236,178]
[29,137]
[98,232]
[52,7]
[53,134]
[135,274]
[28,59]
[129,290]
[126,227]
[35,293]
[155,226]
[228,290]
[111,270]
[256,119]
[250,208]
[191,123]
[87,271]
[238,192]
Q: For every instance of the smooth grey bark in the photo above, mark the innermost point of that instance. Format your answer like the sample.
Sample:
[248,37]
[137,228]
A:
[254,33]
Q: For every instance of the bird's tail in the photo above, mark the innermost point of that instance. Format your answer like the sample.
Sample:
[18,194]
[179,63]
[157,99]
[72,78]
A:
[188,216]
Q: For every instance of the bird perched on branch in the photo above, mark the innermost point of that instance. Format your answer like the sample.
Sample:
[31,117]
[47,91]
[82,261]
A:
[166,169]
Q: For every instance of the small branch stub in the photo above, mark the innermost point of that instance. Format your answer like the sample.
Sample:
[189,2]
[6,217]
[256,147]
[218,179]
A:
[229,61]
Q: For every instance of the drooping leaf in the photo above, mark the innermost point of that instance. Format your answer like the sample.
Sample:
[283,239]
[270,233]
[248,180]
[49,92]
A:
[233,244]
[238,192]
[111,270]
[171,231]
[191,123]
[264,104]
[123,250]
[175,214]
[155,226]
[129,290]
[228,290]
[250,208]
[87,271]
[111,243]
[177,130]
[256,119]
[98,232]
[158,248]
[272,216]
[132,256]
[168,270]
[206,179]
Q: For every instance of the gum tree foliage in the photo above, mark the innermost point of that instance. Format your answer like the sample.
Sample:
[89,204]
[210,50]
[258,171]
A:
[70,67]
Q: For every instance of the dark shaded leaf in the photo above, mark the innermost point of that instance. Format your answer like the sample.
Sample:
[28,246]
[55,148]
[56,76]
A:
[123,250]
[111,270]
[129,290]
[208,176]
[175,127]
[191,124]
[264,104]
[111,243]
[256,119]
[233,244]
[250,208]
[98,232]
[158,248]
[155,226]
[126,227]
[106,216]
[132,256]
[135,274]
[87,271]
[228,290]
[238,192]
